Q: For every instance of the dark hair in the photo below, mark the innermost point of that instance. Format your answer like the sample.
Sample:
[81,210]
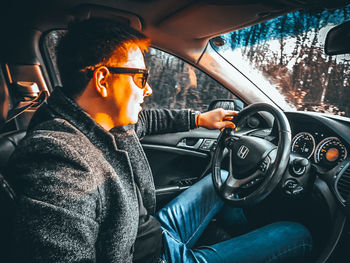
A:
[89,43]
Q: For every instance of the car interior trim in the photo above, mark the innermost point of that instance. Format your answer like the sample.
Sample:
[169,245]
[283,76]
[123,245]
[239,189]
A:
[174,150]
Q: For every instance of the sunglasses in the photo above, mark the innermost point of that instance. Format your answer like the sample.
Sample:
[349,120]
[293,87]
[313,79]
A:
[139,76]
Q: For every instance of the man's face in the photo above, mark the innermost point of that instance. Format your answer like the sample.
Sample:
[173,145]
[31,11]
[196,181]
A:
[127,96]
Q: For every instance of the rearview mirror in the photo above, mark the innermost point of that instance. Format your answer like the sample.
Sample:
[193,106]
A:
[227,104]
[338,40]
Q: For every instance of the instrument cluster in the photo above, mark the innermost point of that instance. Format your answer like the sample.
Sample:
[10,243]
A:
[327,151]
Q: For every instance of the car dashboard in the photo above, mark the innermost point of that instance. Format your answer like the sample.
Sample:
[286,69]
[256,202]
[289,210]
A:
[317,142]
[324,140]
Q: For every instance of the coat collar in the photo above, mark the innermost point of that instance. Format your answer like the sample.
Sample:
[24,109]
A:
[69,110]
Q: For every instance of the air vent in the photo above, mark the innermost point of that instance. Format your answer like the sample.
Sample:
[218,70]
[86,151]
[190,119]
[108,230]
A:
[343,185]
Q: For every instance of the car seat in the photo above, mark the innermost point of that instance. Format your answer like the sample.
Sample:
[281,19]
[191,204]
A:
[8,143]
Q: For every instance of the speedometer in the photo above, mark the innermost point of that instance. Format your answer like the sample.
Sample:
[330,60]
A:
[304,144]
[330,151]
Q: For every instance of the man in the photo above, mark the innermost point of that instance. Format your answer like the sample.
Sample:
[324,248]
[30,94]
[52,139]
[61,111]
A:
[85,186]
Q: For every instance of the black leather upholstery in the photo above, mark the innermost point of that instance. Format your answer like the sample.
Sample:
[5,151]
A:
[8,143]
[7,208]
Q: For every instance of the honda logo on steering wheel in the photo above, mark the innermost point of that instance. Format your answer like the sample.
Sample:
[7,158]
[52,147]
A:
[243,152]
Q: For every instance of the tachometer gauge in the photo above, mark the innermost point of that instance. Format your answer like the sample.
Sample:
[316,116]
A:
[330,151]
[304,144]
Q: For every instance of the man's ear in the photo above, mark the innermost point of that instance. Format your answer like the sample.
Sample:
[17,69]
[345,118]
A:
[100,80]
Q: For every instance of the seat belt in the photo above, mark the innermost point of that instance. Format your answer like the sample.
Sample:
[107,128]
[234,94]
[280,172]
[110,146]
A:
[29,97]
[23,106]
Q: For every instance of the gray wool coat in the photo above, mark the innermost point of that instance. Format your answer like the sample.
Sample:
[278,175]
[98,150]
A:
[76,183]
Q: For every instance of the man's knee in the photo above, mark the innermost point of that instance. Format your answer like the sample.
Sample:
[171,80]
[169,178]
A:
[293,231]
[294,241]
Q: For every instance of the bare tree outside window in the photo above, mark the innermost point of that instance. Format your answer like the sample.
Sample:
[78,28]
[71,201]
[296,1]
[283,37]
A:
[289,52]
[179,85]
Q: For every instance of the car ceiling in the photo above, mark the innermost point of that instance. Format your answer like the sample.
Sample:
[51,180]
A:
[182,26]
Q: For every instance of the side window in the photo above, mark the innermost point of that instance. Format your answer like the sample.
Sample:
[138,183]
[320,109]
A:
[51,41]
[178,85]
[175,83]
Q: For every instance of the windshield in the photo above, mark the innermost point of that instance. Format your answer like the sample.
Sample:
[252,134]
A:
[288,54]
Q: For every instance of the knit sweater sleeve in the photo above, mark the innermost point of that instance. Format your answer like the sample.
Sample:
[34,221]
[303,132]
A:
[157,121]
[58,206]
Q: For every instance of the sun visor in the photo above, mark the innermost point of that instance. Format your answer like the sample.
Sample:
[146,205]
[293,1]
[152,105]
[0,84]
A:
[202,20]
[208,18]
[83,12]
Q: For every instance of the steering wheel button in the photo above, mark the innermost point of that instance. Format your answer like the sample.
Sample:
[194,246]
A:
[290,184]
[298,190]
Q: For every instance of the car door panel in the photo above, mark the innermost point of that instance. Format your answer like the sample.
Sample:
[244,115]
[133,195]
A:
[178,159]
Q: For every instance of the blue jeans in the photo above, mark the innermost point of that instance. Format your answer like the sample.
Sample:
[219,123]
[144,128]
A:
[185,218]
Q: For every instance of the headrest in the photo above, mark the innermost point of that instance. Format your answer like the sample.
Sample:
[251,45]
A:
[27,95]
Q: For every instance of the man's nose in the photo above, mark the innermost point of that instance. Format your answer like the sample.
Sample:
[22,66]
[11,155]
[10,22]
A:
[147,91]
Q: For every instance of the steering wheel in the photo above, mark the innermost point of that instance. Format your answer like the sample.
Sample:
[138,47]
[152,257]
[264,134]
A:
[255,164]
